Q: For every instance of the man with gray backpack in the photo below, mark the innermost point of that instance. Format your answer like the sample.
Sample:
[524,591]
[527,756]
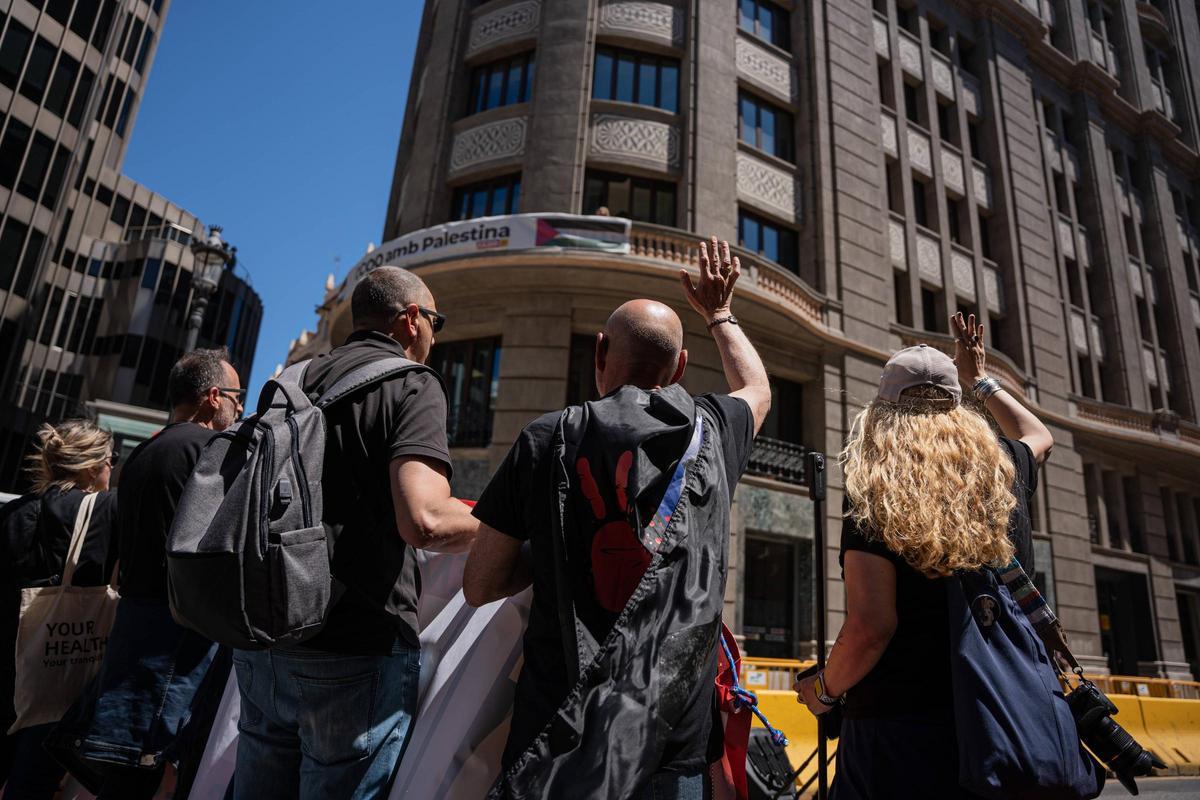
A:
[294,545]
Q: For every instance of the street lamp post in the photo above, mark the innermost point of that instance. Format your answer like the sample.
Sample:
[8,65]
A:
[211,256]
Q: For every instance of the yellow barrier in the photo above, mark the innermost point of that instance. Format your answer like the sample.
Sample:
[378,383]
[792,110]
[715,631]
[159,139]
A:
[1169,727]
[798,725]
[1175,727]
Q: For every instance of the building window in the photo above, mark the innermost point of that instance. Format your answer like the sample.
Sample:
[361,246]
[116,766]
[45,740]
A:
[60,87]
[632,77]
[778,452]
[471,372]
[640,199]
[37,71]
[581,370]
[768,240]
[36,165]
[12,52]
[490,198]
[12,151]
[777,597]
[765,20]
[764,126]
[501,83]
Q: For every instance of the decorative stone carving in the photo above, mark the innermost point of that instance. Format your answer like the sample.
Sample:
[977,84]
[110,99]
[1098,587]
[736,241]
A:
[963,268]
[943,78]
[1078,332]
[661,22]
[910,55]
[929,258]
[982,185]
[655,144]
[488,142]
[887,130]
[510,22]
[993,289]
[765,69]
[1097,340]
[952,172]
[918,152]
[896,244]
[1066,238]
[971,95]
[881,37]
[1135,278]
[769,186]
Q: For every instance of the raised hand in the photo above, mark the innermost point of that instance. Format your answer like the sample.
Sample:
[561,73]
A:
[969,355]
[718,273]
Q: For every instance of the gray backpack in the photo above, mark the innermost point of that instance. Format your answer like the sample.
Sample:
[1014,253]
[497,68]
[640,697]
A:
[247,556]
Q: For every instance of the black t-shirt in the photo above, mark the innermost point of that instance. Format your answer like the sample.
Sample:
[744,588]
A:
[519,502]
[913,674]
[152,481]
[35,532]
[365,432]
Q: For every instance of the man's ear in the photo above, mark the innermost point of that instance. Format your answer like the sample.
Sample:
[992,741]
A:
[679,368]
[601,351]
[404,326]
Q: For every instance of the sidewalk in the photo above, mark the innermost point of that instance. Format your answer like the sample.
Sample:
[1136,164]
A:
[1174,788]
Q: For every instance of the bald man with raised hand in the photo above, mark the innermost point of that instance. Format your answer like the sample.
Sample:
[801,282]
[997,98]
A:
[632,442]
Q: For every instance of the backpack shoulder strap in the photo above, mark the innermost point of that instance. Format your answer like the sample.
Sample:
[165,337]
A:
[367,374]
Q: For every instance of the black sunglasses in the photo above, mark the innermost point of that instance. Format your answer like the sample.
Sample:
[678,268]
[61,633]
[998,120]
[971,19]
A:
[438,321]
[114,458]
[239,395]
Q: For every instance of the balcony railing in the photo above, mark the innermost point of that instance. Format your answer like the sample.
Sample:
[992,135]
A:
[774,458]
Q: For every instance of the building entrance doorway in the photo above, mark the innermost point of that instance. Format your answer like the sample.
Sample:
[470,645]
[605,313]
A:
[1189,626]
[777,601]
[1126,624]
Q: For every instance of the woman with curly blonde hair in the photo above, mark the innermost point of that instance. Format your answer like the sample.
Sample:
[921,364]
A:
[930,490]
[70,461]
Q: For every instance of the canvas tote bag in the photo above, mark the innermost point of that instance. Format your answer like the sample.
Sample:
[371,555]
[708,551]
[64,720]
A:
[61,638]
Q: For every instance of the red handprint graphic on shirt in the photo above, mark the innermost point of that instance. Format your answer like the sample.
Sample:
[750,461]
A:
[618,557]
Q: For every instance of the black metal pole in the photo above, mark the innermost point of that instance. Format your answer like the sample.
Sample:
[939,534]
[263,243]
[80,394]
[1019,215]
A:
[816,492]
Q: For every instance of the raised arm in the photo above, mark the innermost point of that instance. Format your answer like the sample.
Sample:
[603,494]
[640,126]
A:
[1014,419]
[427,517]
[712,298]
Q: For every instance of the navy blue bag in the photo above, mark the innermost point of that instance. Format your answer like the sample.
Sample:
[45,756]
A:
[1016,735]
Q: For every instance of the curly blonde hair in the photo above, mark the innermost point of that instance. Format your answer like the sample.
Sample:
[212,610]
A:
[65,454]
[929,479]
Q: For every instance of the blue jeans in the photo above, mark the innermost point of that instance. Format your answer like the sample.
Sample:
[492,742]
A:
[322,725]
[673,786]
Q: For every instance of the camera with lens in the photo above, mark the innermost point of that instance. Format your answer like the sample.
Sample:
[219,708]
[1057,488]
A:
[1110,743]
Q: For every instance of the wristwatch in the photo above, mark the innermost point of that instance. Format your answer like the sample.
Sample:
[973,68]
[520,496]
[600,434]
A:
[731,319]
[819,688]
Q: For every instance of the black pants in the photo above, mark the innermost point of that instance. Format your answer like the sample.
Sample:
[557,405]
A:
[901,757]
[130,783]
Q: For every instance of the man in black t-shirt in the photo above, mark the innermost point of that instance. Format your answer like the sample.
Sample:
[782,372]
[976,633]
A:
[641,346]
[132,719]
[333,715]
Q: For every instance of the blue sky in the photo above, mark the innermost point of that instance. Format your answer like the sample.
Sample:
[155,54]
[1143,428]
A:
[279,120]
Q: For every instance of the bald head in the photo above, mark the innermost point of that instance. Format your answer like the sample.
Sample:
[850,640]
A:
[383,293]
[644,341]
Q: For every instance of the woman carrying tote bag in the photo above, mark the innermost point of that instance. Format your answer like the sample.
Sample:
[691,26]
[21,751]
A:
[930,491]
[57,553]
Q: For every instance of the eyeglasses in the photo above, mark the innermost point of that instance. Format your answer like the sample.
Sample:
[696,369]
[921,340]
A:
[236,395]
[114,459]
[438,321]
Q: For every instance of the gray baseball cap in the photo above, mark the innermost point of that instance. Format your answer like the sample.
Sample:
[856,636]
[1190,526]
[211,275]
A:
[920,365]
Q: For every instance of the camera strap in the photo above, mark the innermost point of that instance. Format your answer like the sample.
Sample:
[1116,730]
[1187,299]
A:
[1035,608]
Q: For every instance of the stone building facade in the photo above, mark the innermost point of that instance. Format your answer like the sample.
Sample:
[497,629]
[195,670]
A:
[880,165]
[95,269]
